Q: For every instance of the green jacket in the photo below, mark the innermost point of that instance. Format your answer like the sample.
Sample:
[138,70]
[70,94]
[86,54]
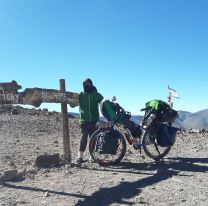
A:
[89,109]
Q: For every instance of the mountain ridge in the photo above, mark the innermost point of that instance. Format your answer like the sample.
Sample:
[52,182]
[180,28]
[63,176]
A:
[186,120]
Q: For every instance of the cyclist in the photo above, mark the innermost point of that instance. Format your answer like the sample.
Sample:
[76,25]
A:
[89,100]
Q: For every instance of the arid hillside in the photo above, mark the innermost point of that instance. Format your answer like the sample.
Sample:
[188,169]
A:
[137,180]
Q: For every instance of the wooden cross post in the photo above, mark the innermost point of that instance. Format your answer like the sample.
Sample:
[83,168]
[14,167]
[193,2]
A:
[35,96]
[66,137]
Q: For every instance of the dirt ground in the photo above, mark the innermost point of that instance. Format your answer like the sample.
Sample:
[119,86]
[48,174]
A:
[137,180]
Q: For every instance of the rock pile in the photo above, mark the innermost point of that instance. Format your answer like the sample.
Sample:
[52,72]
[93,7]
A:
[18,110]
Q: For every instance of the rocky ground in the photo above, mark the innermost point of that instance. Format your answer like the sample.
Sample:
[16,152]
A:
[137,180]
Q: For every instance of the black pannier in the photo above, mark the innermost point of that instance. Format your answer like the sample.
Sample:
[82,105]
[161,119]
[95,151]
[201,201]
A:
[108,141]
[166,135]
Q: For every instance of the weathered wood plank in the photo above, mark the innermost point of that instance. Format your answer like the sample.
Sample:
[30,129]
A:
[35,96]
[66,136]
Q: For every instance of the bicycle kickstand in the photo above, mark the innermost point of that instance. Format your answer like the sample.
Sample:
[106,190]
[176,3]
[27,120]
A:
[159,154]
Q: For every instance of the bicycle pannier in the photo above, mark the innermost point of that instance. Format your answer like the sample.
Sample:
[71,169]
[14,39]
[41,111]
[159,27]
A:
[108,111]
[166,135]
[114,112]
[107,142]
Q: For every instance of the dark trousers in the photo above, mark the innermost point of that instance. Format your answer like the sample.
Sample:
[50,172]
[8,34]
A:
[87,129]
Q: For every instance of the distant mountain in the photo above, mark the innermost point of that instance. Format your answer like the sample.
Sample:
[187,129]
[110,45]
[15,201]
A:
[136,118]
[186,120]
[182,116]
[73,114]
[198,120]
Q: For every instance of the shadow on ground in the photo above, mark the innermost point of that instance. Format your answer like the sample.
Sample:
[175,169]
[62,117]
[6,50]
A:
[35,189]
[127,190]
[124,190]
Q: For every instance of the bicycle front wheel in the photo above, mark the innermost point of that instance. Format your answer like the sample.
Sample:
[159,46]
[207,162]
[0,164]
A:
[151,147]
[101,157]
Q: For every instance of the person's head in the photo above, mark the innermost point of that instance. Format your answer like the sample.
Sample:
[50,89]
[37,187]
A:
[88,85]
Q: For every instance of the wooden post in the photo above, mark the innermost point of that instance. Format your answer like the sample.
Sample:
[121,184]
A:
[66,138]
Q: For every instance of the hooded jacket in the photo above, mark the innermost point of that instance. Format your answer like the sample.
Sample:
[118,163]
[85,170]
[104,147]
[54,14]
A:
[89,109]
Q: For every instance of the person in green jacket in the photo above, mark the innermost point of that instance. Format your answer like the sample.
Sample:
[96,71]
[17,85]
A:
[89,100]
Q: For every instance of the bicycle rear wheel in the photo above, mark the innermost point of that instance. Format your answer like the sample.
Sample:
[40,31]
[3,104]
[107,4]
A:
[152,149]
[106,159]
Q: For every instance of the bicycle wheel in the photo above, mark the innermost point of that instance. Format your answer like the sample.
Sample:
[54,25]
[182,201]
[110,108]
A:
[152,149]
[106,159]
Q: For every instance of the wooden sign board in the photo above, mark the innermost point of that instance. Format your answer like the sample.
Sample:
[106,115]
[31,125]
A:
[35,96]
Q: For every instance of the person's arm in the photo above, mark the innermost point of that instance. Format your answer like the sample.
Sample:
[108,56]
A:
[100,98]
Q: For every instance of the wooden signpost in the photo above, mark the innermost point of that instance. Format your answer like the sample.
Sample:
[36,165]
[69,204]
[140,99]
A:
[66,138]
[35,96]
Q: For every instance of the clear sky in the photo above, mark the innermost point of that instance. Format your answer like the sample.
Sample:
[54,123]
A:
[132,49]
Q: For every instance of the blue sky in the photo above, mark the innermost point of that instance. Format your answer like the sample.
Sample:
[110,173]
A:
[132,49]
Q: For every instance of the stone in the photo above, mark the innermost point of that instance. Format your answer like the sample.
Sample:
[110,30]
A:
[9,175]
[47,160]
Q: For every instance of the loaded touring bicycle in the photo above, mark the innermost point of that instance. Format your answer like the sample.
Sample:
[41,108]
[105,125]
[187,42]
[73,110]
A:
[154,134]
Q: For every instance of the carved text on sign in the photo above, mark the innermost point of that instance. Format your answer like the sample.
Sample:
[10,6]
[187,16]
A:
[35,96]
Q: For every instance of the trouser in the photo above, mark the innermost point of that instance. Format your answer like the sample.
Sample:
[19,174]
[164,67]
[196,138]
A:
[87,129]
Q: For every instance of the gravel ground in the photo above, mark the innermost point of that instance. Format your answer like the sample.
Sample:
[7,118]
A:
[137,180]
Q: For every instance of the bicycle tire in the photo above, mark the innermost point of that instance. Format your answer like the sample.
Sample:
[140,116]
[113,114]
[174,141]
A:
[106,159]
[150,147]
